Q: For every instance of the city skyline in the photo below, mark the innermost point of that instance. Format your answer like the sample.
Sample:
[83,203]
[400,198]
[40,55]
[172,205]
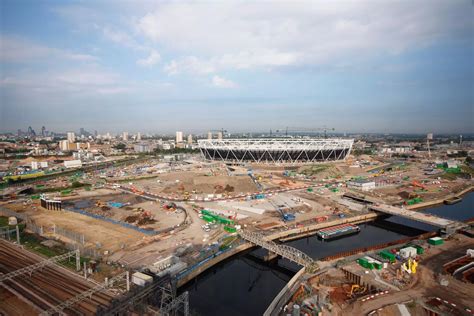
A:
[401,67]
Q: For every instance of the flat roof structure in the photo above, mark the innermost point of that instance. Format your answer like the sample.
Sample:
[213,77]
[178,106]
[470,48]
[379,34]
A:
[276,150]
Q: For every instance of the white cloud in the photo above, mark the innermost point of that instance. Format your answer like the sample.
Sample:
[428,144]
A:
[243,35]
[15,49]
[151,60]
[90,80]
[221,82]
[189,64]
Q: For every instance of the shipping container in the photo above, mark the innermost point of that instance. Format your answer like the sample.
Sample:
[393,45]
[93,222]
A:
[435,241]
[230,229]
[365,263]
[419,250]
[141,279]
[387,255]
[408,252]
[208,218]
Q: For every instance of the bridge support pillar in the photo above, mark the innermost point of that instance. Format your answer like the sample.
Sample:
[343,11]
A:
[270,256]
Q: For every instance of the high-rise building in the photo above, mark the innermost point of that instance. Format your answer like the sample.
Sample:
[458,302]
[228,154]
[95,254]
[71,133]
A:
[64,145]
[125,136]
[219,135]
[190,139]
[139,136]
[31,131]
[43,131]
[71,137]
[179,137]
[209,135]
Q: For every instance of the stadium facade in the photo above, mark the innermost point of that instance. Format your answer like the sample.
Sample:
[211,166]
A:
[277,150]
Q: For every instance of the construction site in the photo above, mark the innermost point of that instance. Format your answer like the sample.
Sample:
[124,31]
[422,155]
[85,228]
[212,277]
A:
[153,227]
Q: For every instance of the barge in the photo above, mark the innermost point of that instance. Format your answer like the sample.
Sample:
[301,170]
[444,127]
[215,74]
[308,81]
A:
[337,231]
[452,200]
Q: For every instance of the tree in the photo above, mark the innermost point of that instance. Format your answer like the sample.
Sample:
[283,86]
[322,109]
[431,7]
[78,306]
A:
[120,146]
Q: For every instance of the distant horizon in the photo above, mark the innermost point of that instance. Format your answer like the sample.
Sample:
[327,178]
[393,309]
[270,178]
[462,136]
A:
[256,133]
[365,66]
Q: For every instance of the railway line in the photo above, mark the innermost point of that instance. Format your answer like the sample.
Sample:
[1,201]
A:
[49,286]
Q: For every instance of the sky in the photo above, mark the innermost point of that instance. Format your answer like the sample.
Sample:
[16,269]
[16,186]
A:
[355,66]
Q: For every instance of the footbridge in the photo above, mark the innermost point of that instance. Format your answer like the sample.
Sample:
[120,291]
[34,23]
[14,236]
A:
[285,251]
[447,226]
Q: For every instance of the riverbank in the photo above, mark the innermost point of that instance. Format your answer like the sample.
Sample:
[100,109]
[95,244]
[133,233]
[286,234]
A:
[439,201]
[291,234]
[302,232]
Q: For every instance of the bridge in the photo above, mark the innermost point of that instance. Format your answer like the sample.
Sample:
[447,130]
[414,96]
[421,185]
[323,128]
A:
[447,226]
[285,251]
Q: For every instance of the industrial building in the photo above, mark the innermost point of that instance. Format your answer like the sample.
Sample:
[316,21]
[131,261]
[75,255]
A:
[284,150]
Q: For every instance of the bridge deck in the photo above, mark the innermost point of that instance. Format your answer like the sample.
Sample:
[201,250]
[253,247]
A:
[414,215]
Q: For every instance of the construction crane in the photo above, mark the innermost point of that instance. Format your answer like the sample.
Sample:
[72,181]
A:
[286,217]
[222,131]
[324,129]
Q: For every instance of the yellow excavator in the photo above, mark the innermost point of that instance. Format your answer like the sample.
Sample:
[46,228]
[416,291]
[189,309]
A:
[410,266]
[356,289]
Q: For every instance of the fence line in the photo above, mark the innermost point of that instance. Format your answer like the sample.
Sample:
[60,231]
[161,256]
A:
[78,240]
[111,220]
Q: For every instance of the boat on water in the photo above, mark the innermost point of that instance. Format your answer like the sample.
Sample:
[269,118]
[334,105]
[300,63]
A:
[337,231]
[452,200]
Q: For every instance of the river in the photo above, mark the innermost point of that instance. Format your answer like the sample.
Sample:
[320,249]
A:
[243,285]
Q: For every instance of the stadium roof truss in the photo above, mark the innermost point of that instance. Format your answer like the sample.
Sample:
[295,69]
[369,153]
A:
[276,150]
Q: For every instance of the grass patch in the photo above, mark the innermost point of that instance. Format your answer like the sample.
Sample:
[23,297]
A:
[3,221]
[314,169]
[33,243]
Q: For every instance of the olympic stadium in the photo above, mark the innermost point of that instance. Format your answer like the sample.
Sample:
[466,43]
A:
[278,150]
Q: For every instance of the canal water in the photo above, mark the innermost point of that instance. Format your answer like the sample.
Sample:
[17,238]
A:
[243,285]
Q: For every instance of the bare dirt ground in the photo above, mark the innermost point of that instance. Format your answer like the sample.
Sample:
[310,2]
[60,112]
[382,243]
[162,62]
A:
[110,235]
[197,182]
[148,253]
[162,218]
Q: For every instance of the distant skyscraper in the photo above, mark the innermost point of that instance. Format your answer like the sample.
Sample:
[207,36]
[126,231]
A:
[43,131]
[139,136]
[209,135]
[190,139]
[71,137]
[179,137]
[219,135]
[31,131]
[82,131]
[125,136]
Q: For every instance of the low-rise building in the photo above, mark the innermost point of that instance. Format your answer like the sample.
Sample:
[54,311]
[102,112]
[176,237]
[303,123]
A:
[361,184]
[72,164]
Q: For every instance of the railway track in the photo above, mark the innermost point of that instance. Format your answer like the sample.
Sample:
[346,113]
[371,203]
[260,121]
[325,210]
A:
[49,286]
